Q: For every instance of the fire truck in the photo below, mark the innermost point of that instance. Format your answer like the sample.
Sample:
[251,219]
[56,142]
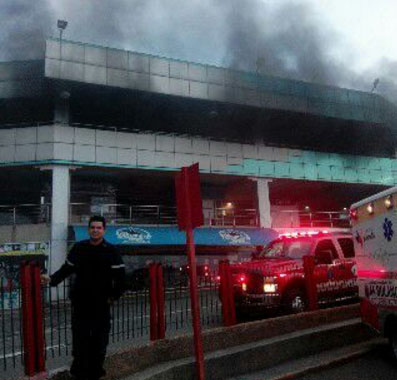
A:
[374,221]
[274,278]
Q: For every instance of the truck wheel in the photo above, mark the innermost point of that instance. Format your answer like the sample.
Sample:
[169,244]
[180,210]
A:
[294,301]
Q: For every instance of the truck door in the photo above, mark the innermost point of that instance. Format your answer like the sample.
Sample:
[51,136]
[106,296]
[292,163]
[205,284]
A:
[325,271]
[348,270]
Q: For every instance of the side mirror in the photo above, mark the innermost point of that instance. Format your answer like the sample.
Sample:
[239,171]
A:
[324,257]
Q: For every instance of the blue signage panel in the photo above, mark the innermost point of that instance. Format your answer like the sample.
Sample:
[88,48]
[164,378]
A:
[150,235]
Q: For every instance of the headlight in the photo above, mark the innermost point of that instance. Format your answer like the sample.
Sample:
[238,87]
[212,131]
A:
[270,288]
[269,284]
[244,286]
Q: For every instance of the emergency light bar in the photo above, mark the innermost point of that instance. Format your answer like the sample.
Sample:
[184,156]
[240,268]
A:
[297,234]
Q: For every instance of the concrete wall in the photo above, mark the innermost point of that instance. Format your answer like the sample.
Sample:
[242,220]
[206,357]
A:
[82,146]
[25,233]
[119,68]
[137,359]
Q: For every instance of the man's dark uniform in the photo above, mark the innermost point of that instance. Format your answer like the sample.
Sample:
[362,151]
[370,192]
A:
[99,278]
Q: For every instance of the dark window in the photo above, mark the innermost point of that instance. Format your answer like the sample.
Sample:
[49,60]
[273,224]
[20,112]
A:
[347,246]
[326,252]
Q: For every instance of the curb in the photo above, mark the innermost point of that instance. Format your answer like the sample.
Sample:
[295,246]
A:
[327,364]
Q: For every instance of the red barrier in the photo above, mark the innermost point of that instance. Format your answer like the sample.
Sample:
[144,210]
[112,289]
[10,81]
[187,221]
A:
[311,286]
[223,293]
[226,294]
[38,319]
[153,302]
[27,319]
[160,303]
[230,292]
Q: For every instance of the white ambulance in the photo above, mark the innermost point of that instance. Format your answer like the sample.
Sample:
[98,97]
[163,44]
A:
[374,222]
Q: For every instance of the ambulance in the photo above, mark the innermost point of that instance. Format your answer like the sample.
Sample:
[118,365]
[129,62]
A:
[374,224]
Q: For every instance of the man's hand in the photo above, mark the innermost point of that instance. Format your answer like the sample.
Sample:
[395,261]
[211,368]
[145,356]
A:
[45,279]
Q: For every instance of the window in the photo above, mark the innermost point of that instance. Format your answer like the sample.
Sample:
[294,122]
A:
[326,252]
[347,246]
[293,248]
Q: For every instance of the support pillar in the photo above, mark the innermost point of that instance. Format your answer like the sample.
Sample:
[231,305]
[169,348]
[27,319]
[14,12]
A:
[61,109]
[59,216]
[265,219]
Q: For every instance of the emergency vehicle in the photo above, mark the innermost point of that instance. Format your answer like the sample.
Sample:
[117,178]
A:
[374,221]
[275,278]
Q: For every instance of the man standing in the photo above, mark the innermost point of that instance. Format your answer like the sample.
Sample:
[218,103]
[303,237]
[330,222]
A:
[99,280]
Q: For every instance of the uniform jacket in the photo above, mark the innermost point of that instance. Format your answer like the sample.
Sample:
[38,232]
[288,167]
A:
[98,270]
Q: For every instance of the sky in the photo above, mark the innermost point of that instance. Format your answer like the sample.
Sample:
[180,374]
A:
[347,43]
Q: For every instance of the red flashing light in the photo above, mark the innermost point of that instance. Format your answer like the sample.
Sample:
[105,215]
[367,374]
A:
[297,234]
[241,278]
[353,214]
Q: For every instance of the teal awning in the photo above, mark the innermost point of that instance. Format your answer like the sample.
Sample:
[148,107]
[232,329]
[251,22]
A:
[170,235]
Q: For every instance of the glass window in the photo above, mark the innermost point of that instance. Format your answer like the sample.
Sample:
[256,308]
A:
[347,246]
[326,251]
[291,248]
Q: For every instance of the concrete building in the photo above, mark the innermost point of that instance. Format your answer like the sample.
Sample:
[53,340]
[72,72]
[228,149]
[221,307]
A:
[91,129]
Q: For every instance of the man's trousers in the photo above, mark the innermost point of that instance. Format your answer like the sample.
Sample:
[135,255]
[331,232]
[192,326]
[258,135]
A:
[90,329]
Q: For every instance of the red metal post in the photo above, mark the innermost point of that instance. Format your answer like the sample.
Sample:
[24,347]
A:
[38,319]
[223,293]
[230,296]
[160,303]
[311,286]
[153,302]
[27,318]
[198,343]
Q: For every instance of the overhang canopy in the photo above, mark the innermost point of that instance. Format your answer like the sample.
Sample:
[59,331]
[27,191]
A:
[170,235]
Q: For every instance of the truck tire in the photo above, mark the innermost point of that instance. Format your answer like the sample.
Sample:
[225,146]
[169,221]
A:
[294,301]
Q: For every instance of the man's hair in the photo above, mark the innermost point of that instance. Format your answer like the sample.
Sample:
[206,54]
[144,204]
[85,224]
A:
[97,218]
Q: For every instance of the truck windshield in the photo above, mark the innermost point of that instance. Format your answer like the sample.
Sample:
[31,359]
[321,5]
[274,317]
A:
[291,248]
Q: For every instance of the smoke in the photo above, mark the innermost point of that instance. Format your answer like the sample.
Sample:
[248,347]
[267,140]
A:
[23,27]
[284,38]
[286,41]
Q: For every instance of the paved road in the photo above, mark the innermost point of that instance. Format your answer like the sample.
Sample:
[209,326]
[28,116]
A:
[373,366]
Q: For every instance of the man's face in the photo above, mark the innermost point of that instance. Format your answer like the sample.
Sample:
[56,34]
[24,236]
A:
[96,231]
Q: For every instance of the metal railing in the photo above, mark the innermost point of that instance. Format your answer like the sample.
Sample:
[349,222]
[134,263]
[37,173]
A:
[332,219]
[157,214]
[166,215]
[130,324]
[25,214]
[224,216]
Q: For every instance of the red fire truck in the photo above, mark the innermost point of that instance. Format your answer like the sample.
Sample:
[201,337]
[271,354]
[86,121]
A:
[274,278]
[374,221]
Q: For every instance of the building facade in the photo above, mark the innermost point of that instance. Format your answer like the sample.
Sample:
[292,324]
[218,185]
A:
[90,129]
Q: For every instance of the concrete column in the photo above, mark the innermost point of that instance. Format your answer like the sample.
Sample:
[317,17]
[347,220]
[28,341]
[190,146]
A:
[265,219]
[59,216]
[61,110]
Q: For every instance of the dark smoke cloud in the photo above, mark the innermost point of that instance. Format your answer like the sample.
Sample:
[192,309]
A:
[23,27]
[285,38]
[285,41]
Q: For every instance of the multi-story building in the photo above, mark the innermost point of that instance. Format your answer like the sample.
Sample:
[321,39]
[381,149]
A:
[91,129]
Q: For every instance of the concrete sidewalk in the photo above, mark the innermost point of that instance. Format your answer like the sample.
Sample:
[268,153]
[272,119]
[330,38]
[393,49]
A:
[278,357]
[327,359]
